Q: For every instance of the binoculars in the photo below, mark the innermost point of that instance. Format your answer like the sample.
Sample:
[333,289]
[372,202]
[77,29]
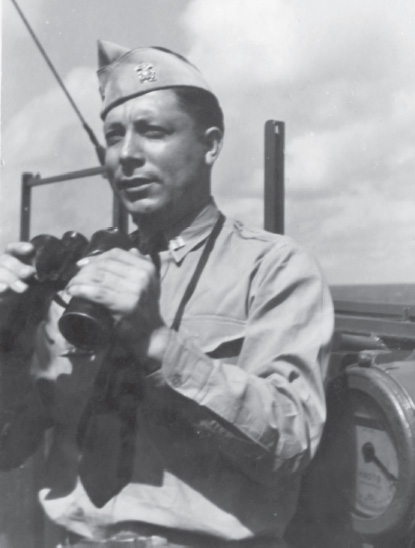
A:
[84,324]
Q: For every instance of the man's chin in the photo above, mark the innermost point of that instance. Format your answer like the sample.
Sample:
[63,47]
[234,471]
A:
[147,215]
[143,208]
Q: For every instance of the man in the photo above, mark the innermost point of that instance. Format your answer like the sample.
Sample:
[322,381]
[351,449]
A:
[193,425]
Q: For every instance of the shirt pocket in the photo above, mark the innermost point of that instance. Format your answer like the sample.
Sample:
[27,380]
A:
[217,337]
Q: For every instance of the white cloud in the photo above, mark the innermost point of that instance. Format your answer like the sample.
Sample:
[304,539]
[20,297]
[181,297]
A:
[362,237]
[341,75]
[278,42]
[308,160]
[47,137]
[219,30]
[32,11]
[32,134]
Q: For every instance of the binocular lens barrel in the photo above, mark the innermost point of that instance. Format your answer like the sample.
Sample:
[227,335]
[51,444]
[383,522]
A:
[85,324]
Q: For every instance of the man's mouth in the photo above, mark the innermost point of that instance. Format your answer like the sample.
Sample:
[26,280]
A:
[130,184]
[135,188]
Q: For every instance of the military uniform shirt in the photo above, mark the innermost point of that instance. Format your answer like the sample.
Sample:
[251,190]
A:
[235,413]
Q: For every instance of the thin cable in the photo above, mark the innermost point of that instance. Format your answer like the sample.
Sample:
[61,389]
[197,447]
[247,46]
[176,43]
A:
[98,147]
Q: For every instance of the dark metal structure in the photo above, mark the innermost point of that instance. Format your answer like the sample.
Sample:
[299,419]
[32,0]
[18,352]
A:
[382,324]
[30,181]
[274,192]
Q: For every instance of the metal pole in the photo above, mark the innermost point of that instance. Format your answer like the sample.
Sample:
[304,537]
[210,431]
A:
[119,215]
[37,180]
[274,177]
[25,205]
[30,180]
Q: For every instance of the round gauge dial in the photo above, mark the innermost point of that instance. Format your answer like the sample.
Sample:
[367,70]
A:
[360,488]
[381,428]
[377,466]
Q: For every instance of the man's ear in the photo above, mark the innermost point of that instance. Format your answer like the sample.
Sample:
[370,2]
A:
[213,137]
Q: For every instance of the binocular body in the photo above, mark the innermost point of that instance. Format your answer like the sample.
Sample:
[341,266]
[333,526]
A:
[84,324]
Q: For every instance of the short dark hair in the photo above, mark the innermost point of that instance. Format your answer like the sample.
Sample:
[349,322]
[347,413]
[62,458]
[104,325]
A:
[201,105]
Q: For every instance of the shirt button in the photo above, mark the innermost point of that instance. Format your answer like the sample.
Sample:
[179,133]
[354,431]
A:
[176,379]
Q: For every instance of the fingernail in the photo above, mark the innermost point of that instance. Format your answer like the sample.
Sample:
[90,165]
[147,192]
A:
[25,246]
[66,293]
[83,261]
[69,289]
[26,271]
[19,286]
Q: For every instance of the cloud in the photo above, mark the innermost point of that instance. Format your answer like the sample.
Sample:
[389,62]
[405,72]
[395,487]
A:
[32,10]
[345,230]
[340,74]
[34,130]
[218,30]
[278,42]
[47,137]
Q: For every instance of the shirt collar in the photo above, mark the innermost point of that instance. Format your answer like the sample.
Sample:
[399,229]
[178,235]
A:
[185,236]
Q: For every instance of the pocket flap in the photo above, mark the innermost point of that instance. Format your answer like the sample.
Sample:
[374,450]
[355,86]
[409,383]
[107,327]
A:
[217,336]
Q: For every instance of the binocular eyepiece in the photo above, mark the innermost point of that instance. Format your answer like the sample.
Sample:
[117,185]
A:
[84,324]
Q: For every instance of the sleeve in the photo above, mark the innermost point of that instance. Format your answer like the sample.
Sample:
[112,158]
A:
[267,412]
[24,412]
[42,381]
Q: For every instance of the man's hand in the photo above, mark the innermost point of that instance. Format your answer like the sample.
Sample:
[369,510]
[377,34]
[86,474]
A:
[127,284]
[14,270]
[14,277]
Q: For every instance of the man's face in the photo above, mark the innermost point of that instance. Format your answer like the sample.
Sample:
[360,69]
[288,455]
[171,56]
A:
[157,159]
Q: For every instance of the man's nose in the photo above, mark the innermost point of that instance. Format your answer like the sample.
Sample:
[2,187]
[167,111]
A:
[132,153]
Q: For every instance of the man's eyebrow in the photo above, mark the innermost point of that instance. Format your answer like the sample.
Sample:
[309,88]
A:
[113,125]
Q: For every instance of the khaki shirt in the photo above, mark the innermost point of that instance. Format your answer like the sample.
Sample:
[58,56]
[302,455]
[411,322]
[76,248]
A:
[236,411]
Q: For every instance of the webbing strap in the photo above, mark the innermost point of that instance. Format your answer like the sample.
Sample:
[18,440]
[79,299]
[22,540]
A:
[198,271]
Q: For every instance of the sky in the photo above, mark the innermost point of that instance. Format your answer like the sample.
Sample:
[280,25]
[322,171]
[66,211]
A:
[341,75]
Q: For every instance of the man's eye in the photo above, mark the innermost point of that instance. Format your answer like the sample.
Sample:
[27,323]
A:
[112,137]
[154,132]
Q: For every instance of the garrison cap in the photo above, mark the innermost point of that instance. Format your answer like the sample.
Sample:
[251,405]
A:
[124,73]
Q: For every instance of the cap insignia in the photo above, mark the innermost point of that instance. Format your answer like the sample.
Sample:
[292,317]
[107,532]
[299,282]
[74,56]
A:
[146,72]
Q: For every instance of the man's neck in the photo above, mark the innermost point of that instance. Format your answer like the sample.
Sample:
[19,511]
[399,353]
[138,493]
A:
[148,227]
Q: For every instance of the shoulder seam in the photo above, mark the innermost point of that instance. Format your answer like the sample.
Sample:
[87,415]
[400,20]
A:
[249,233]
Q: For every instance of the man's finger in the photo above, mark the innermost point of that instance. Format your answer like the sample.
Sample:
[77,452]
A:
[14,274]
[20,249]
[116,255]
[120,281]
[122,266]
[14,284]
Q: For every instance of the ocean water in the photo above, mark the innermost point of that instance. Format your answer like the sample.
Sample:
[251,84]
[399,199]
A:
[382,293]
